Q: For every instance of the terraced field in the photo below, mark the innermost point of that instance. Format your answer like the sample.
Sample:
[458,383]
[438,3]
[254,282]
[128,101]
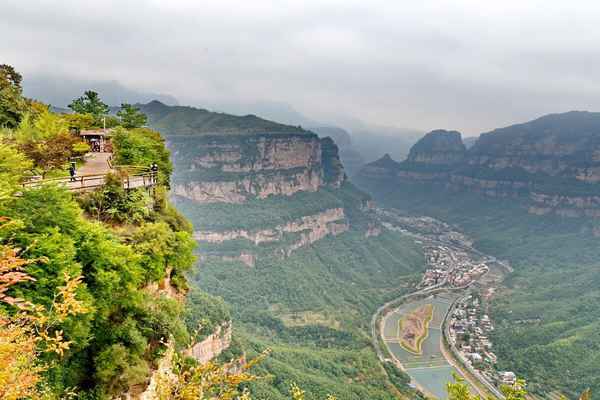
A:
[429,370]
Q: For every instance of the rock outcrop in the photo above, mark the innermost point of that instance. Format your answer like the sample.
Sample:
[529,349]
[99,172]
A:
[258,186]
[310,228]
[333,170]
[553,163]
[351,158]
[212,346]
[439,147]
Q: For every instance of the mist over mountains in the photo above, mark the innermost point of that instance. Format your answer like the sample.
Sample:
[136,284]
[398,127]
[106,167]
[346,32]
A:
[59,92]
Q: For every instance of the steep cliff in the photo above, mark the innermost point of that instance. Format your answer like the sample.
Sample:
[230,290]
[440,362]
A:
[310,228]
[333,170]
[234,169]
[551,163]
[351,157]
[432,158]
[213,345]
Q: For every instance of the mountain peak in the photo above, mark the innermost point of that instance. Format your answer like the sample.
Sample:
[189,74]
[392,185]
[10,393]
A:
[438,147]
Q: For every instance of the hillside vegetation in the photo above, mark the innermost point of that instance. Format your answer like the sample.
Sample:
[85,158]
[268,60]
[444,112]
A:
[313,308]
[82,312]
[180,120]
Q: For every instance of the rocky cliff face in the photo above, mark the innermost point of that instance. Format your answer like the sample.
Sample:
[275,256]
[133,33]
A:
[349,154]
[430,159]
[310,228]
[259,186]
[234,169]
[333,170]
[258,153]
[566,206]
[558,145]
[552,162]
[213,345]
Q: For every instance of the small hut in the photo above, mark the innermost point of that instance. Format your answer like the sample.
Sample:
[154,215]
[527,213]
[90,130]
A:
[98,139]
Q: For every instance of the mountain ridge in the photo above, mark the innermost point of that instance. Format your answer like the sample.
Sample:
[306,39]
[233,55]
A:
[187,120]
[552,163]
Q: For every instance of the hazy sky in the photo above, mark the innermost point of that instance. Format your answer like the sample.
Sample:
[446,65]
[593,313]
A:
[466,65]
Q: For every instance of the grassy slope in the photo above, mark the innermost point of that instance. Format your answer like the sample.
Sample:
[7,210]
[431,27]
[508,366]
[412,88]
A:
[547,319]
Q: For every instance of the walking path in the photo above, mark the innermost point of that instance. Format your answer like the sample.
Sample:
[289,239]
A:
[92,175]
[95,164]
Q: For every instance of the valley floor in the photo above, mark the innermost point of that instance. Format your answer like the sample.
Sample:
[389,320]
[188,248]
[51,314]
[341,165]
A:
[546,310]
[435,366]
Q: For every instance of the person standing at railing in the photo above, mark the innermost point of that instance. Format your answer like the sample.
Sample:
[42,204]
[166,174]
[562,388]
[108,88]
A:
[72,171]
[154,172]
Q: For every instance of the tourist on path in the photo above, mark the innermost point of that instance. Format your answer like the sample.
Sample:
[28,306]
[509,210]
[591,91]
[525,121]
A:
[154,170]
[72,171]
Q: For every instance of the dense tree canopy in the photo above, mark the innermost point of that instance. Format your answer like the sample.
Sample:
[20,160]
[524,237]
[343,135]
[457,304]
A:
[142,146]
[13,166]
[90,103]
[131,117]
[12,103]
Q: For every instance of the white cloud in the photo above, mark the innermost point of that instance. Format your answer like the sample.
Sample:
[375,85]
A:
[468,65]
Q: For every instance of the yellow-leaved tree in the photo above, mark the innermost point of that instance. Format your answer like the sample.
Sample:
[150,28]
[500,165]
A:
[459,390]
[27,330]
[13,166]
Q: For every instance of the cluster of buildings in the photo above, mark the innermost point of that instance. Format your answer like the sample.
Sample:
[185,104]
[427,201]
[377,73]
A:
[450,266]
[468,331]
[422,225]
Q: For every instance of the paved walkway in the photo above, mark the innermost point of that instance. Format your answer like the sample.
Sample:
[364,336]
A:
[95,164]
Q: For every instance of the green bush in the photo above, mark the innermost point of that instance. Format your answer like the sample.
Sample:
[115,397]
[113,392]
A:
[142,147]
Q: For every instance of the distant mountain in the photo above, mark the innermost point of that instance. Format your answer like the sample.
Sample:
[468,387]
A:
[373,144]
[59,91]
[470,141]
[350,156]
[271,110]
[438,147]
[553,162]
[341,136]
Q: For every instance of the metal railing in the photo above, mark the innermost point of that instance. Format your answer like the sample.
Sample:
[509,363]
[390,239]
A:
[131,180]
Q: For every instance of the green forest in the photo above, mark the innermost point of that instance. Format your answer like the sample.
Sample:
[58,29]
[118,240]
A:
[91,284]
[313,309]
